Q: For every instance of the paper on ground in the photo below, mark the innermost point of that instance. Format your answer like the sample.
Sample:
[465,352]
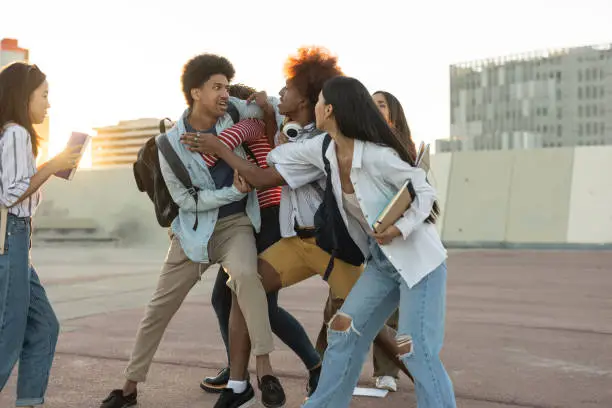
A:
[370,392]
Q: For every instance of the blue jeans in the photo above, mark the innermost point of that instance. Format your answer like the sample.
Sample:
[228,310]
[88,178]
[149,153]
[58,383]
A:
[372,300]
[28,326]
[283,324]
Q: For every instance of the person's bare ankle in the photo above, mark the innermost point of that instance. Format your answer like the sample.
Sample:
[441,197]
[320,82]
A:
[129,387]
[263,366]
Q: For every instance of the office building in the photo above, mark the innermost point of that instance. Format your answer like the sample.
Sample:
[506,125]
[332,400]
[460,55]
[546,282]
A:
[541,99]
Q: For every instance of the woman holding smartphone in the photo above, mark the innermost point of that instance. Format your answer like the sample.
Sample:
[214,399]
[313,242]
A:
[28,325]
[406,264]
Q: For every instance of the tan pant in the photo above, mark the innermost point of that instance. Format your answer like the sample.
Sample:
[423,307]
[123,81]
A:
[297,259]
[382,364]
[232,245]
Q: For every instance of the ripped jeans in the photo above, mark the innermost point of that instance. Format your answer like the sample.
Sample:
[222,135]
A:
[420,335]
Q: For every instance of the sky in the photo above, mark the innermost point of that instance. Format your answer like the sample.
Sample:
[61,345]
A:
[120,60]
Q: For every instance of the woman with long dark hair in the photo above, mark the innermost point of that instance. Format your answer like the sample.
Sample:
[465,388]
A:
[369,163]
[28,325]
[393,112]
[386,372]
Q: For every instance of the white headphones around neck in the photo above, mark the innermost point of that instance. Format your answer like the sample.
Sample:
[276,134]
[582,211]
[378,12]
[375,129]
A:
[291,129]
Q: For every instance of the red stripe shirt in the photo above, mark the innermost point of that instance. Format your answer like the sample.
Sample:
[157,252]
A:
[251,131]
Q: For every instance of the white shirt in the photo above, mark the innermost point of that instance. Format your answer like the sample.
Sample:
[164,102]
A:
[377,174]
[352,207]
[17,166]
[300,204]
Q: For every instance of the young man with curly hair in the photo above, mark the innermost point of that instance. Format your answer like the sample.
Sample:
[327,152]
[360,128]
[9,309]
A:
[216,228]
[284,325]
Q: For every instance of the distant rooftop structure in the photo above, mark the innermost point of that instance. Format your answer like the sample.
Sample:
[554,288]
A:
[10,51]
[118,145]
[550,98]
[478,64]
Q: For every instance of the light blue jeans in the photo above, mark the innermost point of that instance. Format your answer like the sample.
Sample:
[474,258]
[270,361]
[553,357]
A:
[372,300]
[28,326]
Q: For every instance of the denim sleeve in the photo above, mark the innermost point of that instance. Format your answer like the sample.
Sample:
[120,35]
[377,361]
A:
[207,200]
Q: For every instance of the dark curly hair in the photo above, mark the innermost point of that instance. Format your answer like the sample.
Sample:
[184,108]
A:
[241,91]
[199,69]
[309,69]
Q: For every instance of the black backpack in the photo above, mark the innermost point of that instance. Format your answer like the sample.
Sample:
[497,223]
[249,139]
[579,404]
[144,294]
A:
[331,233]
[149,179]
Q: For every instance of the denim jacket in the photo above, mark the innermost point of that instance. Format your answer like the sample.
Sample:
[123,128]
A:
[195,243]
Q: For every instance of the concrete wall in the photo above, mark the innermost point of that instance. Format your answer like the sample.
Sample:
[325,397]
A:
[542,197]
[439,177]
[590,203]
[478,197]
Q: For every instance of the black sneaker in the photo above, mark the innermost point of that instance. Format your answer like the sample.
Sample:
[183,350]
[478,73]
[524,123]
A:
[272,393]
[218,383]
[229,399]
[313,380]
[116,399]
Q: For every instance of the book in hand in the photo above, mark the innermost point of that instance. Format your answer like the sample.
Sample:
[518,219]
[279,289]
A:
[75,140]
[398,205]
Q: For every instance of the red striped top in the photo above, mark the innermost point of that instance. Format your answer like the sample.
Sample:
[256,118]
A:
[251,131]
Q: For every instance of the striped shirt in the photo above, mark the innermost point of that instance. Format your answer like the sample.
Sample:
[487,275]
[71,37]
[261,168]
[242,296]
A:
[17,166]
[251,131]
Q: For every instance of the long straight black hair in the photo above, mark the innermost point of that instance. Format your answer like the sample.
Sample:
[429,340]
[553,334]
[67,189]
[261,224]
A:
[18,81]
[358,117]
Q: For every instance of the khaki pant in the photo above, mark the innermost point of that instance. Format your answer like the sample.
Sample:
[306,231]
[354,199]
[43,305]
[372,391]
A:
[232,245]
[297,259]
[382,364]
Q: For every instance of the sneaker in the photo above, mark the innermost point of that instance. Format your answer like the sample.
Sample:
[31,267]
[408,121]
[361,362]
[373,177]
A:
[313,380]
[272,393]
[229,399]
[386,383]
[116,399]
[217,383]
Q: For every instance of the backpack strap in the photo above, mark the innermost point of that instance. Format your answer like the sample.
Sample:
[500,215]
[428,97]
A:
[329,189]
[233,112]
[179,170]
[162,125]
[324,147]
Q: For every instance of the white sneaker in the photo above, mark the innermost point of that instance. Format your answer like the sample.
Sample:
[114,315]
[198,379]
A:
[386,383]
